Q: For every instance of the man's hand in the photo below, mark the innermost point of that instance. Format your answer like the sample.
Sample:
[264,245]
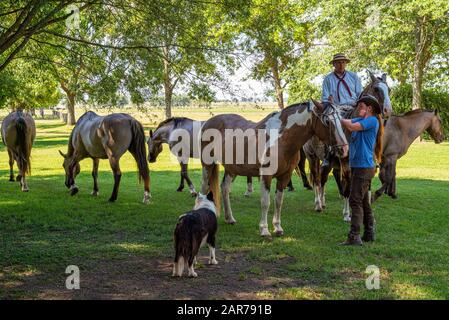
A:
[331,99]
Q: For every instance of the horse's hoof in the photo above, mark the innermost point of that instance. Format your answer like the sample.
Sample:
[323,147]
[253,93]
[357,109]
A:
[179,190]
[193,194]
[25,190]
[112,199]
[347,218]
[393,196]
[291,189]
[11,179]
[74,191]
[319,210]
[193,275]
[247,194]
[95,193]
[231,221]
[213,261]
[279,233]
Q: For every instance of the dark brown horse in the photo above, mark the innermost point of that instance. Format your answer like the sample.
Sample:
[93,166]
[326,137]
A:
[18,134]
[288,130]
[108,137]
[400,132]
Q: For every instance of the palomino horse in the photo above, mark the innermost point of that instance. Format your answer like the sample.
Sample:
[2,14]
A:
[293,125]
[18,133]
[163,134]
[315,150]
[400,132]
[106,137]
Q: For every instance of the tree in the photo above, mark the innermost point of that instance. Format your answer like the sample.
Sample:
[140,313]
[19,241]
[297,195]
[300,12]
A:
[22,19]
[401,37]
[276,34]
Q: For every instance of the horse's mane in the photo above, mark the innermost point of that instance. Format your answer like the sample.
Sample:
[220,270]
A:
[416,111]
[176,121]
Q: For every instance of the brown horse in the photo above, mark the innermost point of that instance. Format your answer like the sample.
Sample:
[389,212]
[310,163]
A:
[288,130]
[18,134]
[108,137]
[400,132]
[378,88]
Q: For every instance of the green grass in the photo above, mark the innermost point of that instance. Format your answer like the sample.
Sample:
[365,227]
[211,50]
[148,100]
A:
[45,230]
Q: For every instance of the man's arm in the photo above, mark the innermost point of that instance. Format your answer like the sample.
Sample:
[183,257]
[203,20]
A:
[347,123]
[326,96]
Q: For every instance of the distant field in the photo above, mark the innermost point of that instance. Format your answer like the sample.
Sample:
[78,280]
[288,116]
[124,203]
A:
[125,249]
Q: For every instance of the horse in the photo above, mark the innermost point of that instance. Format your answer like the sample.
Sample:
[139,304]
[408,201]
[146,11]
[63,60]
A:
[18,134]
[400,132]
[378,88]
[163,134]
[288,130]
[106,137]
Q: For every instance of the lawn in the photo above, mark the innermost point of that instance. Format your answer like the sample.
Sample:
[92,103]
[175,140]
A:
[125,249]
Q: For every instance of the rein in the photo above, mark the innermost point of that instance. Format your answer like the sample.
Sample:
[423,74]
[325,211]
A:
[325,119]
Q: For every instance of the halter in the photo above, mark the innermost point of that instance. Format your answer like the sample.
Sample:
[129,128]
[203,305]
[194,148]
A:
[325,118]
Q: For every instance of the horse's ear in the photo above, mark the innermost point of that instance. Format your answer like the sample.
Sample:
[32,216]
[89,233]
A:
[371,75]
[384,77]
[437,111]
[62,154]
[151,133]
[318,105]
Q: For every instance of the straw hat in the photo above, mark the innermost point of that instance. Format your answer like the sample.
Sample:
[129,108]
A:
[339,56]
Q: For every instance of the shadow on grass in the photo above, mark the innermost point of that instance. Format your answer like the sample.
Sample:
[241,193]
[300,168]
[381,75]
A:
[124,249]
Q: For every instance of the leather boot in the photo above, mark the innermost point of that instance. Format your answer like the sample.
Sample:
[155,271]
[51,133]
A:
[369,235]
[353,240]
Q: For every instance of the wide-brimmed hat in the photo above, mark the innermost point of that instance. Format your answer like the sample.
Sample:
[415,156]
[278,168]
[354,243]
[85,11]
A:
[370,100]
[339,56]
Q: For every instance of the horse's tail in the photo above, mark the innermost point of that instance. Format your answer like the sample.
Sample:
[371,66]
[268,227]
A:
[23,143]
[138,149]
[213,173]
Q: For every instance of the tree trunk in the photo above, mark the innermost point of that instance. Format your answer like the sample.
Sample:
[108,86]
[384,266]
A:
[278,86]
[168,100]
[168,86]
[423,42]
[71,109]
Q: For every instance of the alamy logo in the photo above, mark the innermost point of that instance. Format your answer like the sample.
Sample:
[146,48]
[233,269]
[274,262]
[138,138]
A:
[73,280]
[373,280]
[73,21]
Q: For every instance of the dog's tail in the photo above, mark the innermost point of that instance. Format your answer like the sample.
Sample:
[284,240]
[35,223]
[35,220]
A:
[183,240]
[213,173]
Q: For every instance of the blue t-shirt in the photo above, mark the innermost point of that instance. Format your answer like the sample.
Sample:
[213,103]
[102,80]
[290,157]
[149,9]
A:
[361,146]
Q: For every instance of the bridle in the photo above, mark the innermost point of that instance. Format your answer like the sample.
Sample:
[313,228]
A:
[330,113]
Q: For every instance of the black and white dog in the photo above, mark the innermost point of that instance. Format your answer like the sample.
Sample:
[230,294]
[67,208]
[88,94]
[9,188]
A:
[193,229]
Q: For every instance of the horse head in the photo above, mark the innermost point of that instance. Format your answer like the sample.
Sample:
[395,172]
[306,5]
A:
[379,88]
[328,128]
[72,169]
[154,147]
[436,128]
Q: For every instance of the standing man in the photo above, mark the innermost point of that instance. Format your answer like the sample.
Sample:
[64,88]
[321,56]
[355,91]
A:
[341,88]
[365,146]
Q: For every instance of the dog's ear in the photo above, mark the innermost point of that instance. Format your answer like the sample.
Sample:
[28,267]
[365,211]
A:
[210,196]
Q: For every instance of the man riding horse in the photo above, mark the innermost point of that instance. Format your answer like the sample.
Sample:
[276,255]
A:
[341,88]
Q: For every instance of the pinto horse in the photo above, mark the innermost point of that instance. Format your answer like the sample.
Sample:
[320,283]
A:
[400,132]
[107,137]
[288,129]
[18,134]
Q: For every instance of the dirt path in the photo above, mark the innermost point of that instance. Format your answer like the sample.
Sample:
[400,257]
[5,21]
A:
[235,277]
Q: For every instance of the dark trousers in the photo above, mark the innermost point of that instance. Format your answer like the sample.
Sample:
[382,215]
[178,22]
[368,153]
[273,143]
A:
[359,200]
